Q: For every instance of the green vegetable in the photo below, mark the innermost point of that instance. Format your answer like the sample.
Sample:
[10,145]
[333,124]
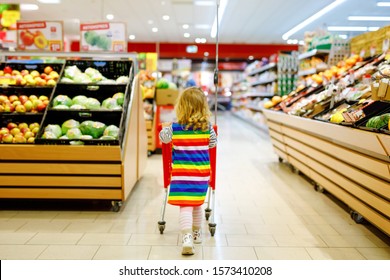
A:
[74,133]
[53,129]
[69,124]
[112,131]
[62,100]
[79,100]
[378,121]
[162,84]
[119,96]
[92,104]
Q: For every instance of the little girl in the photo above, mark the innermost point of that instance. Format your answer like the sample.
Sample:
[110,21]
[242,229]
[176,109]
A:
[192,136]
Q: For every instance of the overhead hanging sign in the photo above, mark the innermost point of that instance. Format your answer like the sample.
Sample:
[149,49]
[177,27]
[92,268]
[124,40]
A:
[103,36]
[40,35]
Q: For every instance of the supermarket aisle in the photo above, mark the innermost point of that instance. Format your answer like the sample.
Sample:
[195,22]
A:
[264,211]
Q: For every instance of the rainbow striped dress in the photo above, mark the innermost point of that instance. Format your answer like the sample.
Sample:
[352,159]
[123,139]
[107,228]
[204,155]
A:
[190,166]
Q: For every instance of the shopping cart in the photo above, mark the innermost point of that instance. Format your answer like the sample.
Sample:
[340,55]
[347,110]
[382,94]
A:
[167,168]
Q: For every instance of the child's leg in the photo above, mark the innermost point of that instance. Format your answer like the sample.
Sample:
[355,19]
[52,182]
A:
[185,220]
[197,218]
[197,224]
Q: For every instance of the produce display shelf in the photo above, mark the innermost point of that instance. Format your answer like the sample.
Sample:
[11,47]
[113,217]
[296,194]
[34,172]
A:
[260,94]
[352,164]
[263,69]
[56,171]
[313,53]
[263,82]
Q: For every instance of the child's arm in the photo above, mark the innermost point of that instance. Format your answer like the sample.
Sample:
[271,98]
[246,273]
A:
[213,138]
[166,133]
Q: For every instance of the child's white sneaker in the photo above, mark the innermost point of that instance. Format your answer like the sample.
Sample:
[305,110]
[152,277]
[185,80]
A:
[197,234]
[188,244]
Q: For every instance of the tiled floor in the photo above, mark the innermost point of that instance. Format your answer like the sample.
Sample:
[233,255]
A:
[263,211]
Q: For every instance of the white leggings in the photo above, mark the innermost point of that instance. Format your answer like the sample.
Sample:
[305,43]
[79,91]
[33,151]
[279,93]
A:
[190,218]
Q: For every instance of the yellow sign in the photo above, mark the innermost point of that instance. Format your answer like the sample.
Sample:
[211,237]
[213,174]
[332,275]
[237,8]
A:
[9,18]
[151,62]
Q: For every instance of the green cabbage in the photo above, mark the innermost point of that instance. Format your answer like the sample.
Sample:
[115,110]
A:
[92,104]
[74,133]
[62,100]
[112,131]
[79,100]
[54,129]
[69,124]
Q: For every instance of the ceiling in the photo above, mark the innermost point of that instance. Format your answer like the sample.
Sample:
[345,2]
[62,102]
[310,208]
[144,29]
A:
[244,21]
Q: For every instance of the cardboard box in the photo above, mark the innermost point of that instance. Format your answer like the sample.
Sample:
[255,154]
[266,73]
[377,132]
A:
[166,96]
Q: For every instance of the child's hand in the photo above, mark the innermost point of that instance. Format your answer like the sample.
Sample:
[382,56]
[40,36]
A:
[165,124]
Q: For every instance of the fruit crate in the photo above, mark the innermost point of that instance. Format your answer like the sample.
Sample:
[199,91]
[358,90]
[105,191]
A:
[59,117]
[384,108]
[364,112]
[17,119]
[100,92]
[111,69]
[40,67]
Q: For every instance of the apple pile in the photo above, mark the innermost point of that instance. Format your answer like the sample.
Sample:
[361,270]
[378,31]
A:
[19,133]
[48,77]
[23,103]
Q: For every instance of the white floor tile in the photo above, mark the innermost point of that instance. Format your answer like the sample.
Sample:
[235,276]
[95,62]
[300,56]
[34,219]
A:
[108,252]
[69,252]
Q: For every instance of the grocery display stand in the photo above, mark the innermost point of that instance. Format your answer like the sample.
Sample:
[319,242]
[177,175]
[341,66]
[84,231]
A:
[352,164]
[102,172]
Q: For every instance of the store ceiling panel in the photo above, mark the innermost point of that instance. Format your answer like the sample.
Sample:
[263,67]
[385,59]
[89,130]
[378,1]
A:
[244,21]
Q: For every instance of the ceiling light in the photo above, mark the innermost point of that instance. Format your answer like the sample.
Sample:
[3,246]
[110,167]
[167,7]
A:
[187,35]
[251,57]
[49,1]
[165,17]
[155,29]
[222,6]
[29,7]
[202,26]
[203,40]
[206,54]
[369,18]
[186,26]
[197,40]
[383,4]
[352,28]
[312,18]
[110,16]
[343,36]
[204,3]
[132,37]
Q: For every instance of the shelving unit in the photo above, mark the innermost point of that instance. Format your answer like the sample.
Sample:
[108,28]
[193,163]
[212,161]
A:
[352,164]
[103,172]
[250,93]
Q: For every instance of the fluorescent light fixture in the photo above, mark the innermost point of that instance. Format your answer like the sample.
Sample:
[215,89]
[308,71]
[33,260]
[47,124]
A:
[206,54]
[185,26]
[202,26]
[204,3]
[383,4]
[343,36]
[187,35]
[301,42]
[369,18]
[110,16]
[132,37]
[200,40]
[29,7]
[155,29]
[49,1]
[222,7]
[312,18]
[165,17]
[352,28]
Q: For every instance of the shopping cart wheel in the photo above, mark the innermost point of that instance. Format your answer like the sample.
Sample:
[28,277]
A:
[161,226]
[207,213]
[359,219]
[212,227]
[116,205]
[280,160]
[319,188]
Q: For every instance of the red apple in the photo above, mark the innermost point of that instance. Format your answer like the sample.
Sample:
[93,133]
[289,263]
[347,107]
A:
[4,130]
[15,73]
[16,103]
[15,131]
[41,107]
[20,108]
[23,125]
[34,73]
[19,138]
[3,98]
[8,138]
[24,72]
[43,97]
[51,83]
[43,76]
[35,130]
[33,97]
[48,70]
[2,108]
[23,98]
[11,125]
[28,134]
[32,125]
[54,75]
[13,98]
[36,103]
[28,105]
[9,108]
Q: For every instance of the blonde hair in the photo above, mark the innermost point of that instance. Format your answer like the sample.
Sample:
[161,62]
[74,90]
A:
[192,109]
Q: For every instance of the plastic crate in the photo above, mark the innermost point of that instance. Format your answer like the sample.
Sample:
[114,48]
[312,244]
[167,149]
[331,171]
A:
[111,69]
[361,124]
[100,92]
[58,117]
[28,118]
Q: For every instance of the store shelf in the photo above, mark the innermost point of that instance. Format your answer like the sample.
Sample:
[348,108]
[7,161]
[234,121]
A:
[257,83]
[259,94]
[307,72]
[352,164]
[255,108]
[312,53]
[263,69]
